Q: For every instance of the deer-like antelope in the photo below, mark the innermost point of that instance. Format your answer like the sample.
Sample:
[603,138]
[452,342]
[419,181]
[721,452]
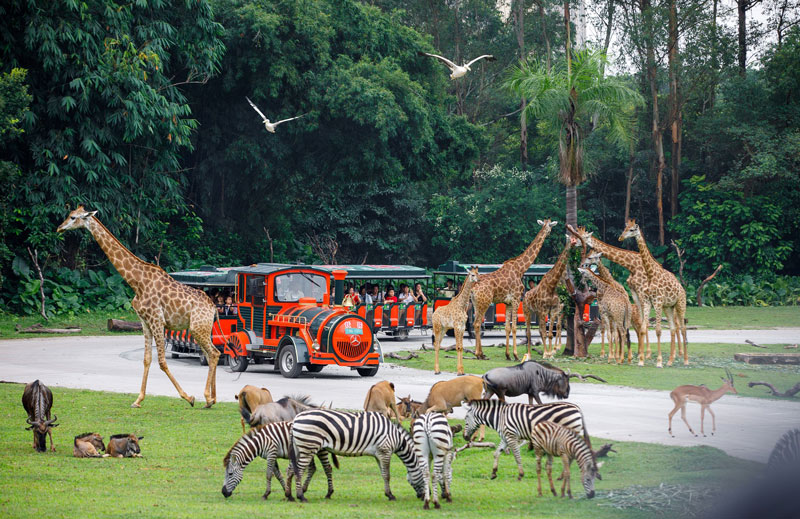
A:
[703,396]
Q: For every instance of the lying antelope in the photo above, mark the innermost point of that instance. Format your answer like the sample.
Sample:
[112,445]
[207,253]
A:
[88,445]
[123,446]
[703,396]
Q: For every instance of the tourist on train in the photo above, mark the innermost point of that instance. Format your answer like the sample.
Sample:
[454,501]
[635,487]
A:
[390,297]
[405,295]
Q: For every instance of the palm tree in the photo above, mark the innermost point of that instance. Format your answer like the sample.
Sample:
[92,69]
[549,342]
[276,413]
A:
[571,100]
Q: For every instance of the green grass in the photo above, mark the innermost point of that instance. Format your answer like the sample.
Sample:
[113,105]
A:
[90,323]
[743,317]
[181,473]
[706,364]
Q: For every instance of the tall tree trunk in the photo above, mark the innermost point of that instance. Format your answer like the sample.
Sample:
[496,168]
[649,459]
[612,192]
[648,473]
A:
[629,183]
[714,55]
[572,205]
[742,6]
[542,16]
[519,26]
[609,24]
[675,116]
[568,45]
[655,130]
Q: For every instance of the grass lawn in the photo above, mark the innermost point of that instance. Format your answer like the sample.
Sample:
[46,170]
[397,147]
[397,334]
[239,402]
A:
[743,317]
[93,323]
[706,365]
[181,473]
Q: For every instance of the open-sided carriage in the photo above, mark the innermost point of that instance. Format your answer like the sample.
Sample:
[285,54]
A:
[496,314]
[391,318]
[285,317]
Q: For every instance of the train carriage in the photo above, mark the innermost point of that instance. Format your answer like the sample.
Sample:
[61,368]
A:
[285,317]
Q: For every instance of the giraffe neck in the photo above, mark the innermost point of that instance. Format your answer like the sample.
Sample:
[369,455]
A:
[552,277]
[521,263]
[651,266]
[127,263]
[628,259]
[462,299]
[599,281]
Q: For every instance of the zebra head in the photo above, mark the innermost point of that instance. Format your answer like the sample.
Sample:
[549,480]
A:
[588,476]
[234,464]
[417,469]
[480,412]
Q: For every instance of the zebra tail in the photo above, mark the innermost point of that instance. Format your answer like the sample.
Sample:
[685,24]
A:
[293,457]
[335,460]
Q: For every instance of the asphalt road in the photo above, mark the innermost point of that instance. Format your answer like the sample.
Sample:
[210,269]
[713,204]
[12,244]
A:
[747,428]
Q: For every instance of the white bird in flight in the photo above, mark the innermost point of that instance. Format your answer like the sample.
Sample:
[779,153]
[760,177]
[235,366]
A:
[456,71]
[270,126]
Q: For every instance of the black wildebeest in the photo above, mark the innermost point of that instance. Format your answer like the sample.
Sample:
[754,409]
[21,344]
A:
[284,410]
[529,378]
[37,399]
[124,446]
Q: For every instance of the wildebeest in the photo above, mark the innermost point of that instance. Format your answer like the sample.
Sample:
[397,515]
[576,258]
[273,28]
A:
[88,445]
[408,408]
[124,446]
[251,397]
[284,410]
[380,399]
[37,399]
[529,378]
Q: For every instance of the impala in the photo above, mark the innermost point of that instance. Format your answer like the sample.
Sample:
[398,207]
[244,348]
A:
[703,396]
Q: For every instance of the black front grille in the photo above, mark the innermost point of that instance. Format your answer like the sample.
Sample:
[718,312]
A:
[258,319]
[245,314]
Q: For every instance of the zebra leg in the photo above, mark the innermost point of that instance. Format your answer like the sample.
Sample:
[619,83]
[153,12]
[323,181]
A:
[272,466]
[550,474]
[312,468]
[539,471]
[438,479]
[384,457]
[448,476]
[515,451]
[565,461]
[500,447]
[300,464]
[326,466]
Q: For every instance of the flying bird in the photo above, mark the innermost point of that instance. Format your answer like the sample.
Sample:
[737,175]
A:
[456,71]
[270,126]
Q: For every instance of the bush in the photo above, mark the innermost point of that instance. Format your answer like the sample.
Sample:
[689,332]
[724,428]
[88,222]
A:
[745,291]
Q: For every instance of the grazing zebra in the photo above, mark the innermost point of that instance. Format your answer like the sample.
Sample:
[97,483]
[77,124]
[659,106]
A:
[434,439]
[269,441]
[786,453]
[514,422]
[354,434]
[553,439]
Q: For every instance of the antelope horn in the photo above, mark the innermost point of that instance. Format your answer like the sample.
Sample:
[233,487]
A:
[30,422]
[50,422]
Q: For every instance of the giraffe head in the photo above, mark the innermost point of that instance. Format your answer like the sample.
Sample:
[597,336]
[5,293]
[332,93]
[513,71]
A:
[582,234]
[78,218]
[631,230]
[591,259]
[472,274]
[547,225]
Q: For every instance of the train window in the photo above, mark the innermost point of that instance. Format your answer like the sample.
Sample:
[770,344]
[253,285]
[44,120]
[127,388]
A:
[255,289]
[291,287]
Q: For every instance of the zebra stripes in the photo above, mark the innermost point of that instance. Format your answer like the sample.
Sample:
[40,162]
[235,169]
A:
[269,441]
[514,422]
[786,453]
[354,434]
[434,439]
[553,439]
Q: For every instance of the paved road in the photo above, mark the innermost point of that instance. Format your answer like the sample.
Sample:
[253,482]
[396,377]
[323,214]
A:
[747,427]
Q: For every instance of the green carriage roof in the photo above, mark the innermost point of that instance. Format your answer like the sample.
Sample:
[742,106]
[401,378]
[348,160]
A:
[454,267]
[379,271]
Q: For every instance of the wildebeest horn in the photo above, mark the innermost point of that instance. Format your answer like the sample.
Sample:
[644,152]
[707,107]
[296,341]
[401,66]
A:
[30,422]
[50,422]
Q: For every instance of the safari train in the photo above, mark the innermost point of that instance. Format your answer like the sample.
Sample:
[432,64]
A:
[284,316]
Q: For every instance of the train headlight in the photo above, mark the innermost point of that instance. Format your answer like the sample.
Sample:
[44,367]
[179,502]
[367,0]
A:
[315,345]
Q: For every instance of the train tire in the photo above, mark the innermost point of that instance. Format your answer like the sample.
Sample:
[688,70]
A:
[368,372]
[203,359]
[287,363]
[314,368]
[237,363]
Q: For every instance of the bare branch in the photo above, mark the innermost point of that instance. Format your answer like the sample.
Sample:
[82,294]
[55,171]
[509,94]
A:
[788,394]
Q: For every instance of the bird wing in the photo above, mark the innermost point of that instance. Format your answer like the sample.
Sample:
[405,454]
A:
[440,58]
[487,56]
[290,119]
[256,109]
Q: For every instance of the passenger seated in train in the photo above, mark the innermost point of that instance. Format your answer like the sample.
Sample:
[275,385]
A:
[405,295]
[229,308]
[419,294]
[373,296]
[390,297]
[448,290]
[351,298]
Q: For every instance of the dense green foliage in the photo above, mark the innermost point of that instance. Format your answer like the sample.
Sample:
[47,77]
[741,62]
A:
[138,110]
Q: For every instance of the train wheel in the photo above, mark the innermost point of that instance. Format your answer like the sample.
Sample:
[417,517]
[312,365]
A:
[287,363]
[203,359]
[367,372]
[237,363]
[314,368]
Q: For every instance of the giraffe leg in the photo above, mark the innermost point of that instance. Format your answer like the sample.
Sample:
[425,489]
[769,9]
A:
[646,327]
[669,311]
[438,333]
[157,329]
[511,322]
[148,358]
[202,335]
[528,330]
[680,314]
[658,307]
[480,311]
[459,331]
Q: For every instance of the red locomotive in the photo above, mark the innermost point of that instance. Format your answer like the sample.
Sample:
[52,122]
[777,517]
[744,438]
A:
[285,317]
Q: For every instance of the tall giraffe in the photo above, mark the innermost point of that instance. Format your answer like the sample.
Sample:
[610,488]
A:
[160,301]
[665,293]
[615,312]
[543,299]
[453,316]
[605,275]
[637,281]
[504,285]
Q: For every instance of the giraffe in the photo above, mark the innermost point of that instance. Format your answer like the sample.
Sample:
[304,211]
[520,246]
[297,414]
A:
[615,312]
[665,293]
[160,302]
[453,316]
[543,299]
[504,285]
[637,281]
[605,275]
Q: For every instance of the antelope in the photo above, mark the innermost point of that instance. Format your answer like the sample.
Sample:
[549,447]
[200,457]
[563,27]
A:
[703,396]
[251,397]
[380,399]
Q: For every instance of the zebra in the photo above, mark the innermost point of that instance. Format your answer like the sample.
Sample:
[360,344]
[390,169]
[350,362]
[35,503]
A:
[786,452]
[354,434]
[269,441]
[434,439]
[553,439]
[515,421]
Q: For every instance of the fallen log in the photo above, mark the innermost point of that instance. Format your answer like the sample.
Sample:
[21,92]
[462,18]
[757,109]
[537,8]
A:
[38,328]
[604,450]
[393,355]
[751,343]
[118,325]
[768,358]
[788,394]
[584,377]
[790,347]
[475,444]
